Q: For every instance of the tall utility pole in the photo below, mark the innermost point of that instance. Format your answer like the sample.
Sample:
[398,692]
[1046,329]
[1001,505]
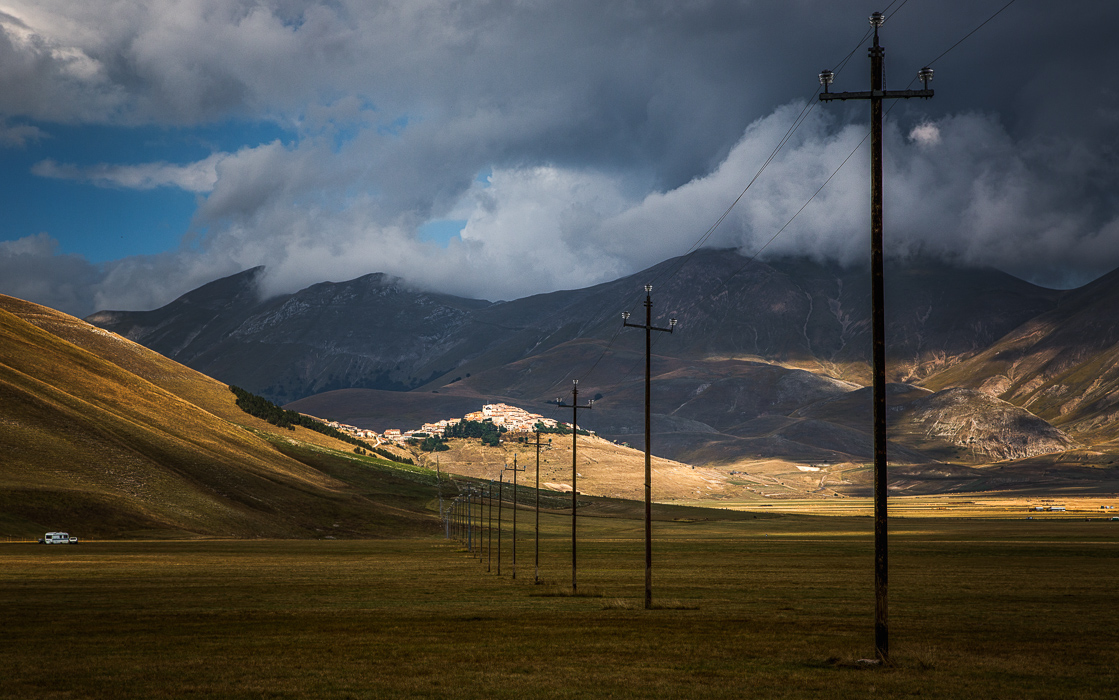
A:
[575,407]
[649,328]
[515,470]
[878,316]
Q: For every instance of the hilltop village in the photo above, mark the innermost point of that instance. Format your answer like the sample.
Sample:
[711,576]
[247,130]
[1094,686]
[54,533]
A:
[511,418]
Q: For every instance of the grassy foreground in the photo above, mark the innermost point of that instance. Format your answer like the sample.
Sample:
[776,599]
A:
[775,607]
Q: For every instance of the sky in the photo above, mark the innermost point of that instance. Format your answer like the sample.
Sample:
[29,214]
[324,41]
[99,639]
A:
[500,148]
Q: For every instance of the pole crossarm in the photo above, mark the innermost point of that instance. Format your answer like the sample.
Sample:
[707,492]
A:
[627,324]
[875,94]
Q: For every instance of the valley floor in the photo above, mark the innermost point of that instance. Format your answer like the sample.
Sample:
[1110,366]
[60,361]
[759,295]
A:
[748,606]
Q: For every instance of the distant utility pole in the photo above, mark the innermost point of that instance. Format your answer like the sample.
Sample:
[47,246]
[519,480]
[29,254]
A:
[476,507]
[575,408]
[489,529]
[649,328]
[453,510]
[500,497]
[439,487]
[515,470]
[878,334]
[469,519]
[537,578]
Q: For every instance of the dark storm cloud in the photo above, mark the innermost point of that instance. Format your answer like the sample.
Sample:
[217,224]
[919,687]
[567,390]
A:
[614,133]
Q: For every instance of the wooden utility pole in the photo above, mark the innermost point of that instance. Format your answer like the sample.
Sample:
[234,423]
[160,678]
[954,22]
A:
[489,529]
[470,520]
[439,486]
[476,507]
[515,470]
[575,408]
[649,328]
[537,578]
[878,316]
[500,497]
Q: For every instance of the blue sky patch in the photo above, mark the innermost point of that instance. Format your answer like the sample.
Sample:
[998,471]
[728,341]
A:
[441,231]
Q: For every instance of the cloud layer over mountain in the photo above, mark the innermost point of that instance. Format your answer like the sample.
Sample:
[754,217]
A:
[578,141]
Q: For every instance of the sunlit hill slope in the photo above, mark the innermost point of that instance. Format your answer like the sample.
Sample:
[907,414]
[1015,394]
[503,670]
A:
[103,437]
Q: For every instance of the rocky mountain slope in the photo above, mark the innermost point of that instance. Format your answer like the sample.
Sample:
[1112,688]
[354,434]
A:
[1062,365]
[766,363]
[376,332]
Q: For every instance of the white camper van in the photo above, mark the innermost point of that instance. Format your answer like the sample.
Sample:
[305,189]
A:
[57,538]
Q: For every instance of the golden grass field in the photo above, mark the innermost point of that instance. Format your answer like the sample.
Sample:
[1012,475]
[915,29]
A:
[769,606]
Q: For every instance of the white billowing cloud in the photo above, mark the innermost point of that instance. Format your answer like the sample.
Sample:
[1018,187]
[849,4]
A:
[971,194]
[199,176]
[315,210]
[616,133]
[47,73]
[926,134]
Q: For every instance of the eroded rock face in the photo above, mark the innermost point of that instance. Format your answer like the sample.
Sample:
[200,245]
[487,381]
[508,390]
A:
[984,424]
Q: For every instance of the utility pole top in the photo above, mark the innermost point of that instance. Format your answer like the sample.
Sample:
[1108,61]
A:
[827,77]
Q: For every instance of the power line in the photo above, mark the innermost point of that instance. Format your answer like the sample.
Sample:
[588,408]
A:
[671,272]
[895,11]
[674,269]
[966,36]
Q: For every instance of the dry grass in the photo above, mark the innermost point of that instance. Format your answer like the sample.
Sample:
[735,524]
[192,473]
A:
[105,438]
[979,609]
[605,469]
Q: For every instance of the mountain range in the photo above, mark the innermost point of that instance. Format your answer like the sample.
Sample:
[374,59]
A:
[767,361]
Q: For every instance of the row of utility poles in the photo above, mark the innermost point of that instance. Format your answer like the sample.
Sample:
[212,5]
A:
[472,510]
[463,519]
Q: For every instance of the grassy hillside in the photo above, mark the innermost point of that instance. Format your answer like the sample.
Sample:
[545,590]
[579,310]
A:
[102,437]
[605,469]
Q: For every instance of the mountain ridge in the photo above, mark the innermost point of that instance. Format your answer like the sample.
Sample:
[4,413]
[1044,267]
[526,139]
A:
[757,345]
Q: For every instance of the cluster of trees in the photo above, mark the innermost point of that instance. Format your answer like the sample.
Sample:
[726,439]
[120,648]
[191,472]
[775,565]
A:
[263,408]
[428,443]
[489,433]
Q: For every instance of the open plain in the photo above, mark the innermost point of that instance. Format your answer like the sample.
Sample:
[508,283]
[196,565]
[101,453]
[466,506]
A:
[746,605]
